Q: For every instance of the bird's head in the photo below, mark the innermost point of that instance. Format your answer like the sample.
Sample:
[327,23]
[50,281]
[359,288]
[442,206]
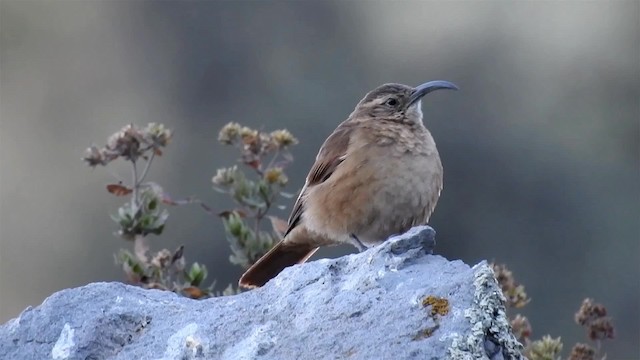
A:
[397,102]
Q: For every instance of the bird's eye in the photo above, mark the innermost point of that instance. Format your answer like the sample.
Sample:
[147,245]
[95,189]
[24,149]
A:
[392,102]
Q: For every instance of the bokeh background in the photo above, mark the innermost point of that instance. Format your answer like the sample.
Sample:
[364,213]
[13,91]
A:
[540,147]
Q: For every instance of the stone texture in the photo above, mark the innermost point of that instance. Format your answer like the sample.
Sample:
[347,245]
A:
[394,301]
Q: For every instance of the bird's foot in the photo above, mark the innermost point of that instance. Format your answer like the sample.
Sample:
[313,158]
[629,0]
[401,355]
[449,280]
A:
[357,243]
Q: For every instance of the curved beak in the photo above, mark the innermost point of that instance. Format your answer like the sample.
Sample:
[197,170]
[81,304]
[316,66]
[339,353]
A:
[424,89]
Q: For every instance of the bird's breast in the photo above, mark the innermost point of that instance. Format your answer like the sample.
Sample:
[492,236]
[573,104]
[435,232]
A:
[376,192]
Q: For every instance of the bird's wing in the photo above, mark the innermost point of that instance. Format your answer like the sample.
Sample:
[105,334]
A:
[331,154]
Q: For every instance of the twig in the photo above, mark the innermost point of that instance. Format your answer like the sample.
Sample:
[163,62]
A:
[273,159]
[135,184]
[146,168]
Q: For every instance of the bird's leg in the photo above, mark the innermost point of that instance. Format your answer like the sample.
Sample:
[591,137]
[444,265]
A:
[357,243]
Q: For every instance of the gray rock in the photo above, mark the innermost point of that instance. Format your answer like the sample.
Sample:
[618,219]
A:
[394,301]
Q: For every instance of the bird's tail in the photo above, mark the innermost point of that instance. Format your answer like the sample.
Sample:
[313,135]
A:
[273,262]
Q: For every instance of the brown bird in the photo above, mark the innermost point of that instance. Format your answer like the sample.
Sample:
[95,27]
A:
[378,174]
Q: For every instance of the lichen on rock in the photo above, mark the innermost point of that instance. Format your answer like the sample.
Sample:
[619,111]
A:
[490,336]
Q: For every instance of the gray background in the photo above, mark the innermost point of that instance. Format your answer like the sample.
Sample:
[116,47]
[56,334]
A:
[540,147]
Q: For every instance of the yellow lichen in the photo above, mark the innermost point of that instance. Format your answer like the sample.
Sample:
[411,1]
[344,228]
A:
[439,306]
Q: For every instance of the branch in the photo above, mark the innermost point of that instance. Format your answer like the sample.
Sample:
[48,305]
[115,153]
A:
[146,168]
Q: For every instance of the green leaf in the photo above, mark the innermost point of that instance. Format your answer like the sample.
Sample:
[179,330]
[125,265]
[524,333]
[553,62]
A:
[254,202]
[264,190]
[153,204]
[197,274]
[122,212]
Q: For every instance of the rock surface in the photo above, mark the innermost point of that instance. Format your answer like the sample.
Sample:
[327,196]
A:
[394,301]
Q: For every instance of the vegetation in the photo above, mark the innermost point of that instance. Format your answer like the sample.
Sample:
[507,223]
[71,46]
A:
[592,316]
[265,155]
[255,192]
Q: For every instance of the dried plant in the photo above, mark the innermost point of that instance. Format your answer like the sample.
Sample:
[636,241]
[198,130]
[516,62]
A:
[582,352]
[514,292]
[545,349]
[145,213]
[266,155]
[521,329]
[592,316]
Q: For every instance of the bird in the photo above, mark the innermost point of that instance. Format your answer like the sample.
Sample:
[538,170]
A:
[377,175]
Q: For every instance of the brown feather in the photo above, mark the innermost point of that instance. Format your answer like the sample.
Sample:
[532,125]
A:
[331,155]
[285,254]
[273,262]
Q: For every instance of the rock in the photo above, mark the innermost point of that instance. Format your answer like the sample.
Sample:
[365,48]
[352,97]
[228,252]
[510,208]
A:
[394,301]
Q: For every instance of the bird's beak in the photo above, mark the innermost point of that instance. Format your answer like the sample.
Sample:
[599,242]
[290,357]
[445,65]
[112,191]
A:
[424,89]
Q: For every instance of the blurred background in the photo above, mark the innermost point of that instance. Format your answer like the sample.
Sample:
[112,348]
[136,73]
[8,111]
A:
[540,147]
